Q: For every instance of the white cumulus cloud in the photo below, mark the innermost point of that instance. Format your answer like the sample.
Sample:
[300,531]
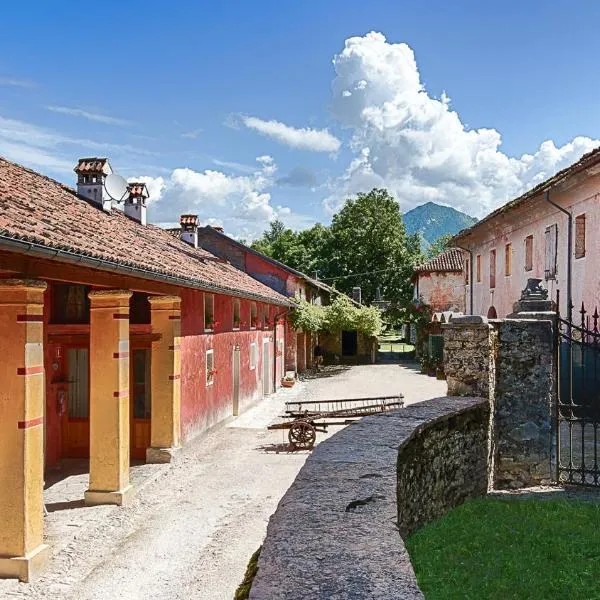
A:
[416,145]
[315,140]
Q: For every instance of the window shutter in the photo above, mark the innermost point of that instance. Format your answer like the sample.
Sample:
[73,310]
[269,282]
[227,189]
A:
[551,246]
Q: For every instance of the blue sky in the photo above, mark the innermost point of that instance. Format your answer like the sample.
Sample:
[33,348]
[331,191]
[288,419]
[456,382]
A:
[466,103]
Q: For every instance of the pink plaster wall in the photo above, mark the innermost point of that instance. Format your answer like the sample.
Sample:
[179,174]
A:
[532,219]
[442,291]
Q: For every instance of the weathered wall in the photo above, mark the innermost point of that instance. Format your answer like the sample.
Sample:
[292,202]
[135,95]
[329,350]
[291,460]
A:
[442,291]
[467,356]
[522,402]
[331,343]
[334,534]
[443,463]
[511,362]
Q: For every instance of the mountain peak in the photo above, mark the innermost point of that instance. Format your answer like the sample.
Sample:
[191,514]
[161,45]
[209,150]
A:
[433,220]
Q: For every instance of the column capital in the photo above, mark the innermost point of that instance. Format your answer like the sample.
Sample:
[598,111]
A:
[165,302]
[26,291]
[109,298]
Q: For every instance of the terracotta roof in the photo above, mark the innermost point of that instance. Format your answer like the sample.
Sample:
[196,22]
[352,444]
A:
[587,160]
[49,215]
[449,260]
[91,165]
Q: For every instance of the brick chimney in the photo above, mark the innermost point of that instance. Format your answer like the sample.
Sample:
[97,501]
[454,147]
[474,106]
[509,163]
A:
[91,173]
[189,229]
[135,203]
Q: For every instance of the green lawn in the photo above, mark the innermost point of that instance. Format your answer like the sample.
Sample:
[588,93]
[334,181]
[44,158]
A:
[511,548]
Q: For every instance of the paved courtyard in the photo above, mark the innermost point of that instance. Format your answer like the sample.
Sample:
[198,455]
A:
[193,525]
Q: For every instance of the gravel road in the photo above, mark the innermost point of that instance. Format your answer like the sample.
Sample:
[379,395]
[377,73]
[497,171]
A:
[190,533]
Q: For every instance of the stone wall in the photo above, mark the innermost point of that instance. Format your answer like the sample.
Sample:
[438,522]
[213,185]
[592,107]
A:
[523,402]
[443,463]
[467,356]
[512,363]
[335,532]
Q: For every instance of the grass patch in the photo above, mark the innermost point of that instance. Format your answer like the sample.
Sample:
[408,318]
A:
[243,590]
[493,548]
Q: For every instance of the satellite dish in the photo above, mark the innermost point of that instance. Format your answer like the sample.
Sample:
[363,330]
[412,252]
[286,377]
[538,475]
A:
[115,186]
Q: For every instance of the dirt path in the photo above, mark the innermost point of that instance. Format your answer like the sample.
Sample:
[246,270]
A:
[191,532]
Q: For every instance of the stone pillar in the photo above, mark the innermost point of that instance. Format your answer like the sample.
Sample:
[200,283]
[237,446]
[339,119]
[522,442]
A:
[523,400]
[165,427]
[22,551]
[109,398]
[468,356]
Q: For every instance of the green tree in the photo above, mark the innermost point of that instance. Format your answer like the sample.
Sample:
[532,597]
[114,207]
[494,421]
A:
[368,247]
[438,246]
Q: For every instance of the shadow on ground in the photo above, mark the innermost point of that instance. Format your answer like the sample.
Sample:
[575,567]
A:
[327,371]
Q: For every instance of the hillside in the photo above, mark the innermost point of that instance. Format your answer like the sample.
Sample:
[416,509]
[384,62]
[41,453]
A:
[431,221]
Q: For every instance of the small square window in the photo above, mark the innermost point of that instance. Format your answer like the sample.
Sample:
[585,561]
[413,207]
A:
[210,367]
[253,355]
[236,314]
[253,315]
[209,312]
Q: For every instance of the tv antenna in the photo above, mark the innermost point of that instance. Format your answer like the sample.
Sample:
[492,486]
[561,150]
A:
[116,187]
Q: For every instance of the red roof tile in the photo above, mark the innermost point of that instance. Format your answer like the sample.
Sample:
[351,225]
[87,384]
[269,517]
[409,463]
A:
[37,209]
[449,260]
[91,165]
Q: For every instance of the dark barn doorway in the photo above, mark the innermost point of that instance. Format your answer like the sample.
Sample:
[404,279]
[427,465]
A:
[349,343]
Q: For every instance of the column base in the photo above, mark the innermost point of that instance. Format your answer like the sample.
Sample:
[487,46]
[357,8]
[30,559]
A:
[120,497]
[25,568]
[161,455]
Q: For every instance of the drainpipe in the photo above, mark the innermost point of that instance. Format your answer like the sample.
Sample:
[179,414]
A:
[470,251]
[569,258]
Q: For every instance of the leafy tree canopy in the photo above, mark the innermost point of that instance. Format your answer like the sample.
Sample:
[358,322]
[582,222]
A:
[438,246]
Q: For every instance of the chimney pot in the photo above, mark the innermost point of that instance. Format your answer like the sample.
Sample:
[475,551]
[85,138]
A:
[91,173]
[135,203]
[189,229]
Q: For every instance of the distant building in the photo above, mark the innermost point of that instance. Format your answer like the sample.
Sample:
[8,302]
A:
[439,282]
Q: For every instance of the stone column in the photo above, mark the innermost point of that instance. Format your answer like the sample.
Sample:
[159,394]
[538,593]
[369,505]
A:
[523,401]
[109,398]
[165,427]
[22,551]
[468,357]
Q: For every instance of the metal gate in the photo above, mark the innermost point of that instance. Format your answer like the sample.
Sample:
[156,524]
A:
[578,406]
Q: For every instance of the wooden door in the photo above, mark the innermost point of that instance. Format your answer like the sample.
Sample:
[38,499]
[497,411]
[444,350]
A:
[76,417]
[236,381]
[139,395]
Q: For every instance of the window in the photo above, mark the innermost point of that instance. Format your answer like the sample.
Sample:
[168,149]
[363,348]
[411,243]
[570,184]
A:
[209,312]
[508,260]
[479,268]
[210,367]
[467,265]
[236,314]
[493,268]
[253,355]
[140,358]
[529,253]
[580,236]
[253,315]
[70,304]
[551,238]
[265,317]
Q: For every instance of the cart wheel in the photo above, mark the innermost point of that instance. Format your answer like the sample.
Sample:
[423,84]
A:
[302,435]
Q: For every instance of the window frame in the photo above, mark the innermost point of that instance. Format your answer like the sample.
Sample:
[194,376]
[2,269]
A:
[210,313]
[493,268]
[508,259]
[236,305]
[580,252]
[210,372]
[253,360]
[551,263]
[253,315]
[529,253]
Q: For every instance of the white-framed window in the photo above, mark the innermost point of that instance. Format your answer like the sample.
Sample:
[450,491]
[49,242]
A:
[253,315]
[253,355]
[236,314]
[209,312]
[210,367]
